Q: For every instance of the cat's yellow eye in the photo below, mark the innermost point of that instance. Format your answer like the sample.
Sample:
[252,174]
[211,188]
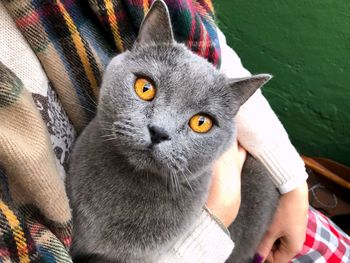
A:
[144,89]
[201,123]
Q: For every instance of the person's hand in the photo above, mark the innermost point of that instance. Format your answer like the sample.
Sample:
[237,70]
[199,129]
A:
[285,237]
[225,191]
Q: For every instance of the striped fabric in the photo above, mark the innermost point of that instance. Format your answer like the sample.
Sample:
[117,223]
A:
[74,41]
[34,211]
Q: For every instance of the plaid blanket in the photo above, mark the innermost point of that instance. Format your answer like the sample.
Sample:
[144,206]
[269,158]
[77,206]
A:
[73,40]
[325,242]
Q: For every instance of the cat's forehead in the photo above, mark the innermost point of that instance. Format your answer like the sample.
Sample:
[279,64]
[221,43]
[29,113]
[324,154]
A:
[175,65]
[173,61]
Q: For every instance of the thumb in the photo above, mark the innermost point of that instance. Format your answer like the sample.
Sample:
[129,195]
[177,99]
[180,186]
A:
[264,248]
[242,154]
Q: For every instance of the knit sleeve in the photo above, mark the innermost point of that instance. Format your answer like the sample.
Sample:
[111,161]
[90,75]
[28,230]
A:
[205,242]
[261,133]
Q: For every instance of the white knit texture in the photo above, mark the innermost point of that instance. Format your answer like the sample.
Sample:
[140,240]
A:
[261,133]
[206,242]
[17,55]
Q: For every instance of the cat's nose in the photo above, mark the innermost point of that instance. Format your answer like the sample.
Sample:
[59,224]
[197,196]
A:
[158,134]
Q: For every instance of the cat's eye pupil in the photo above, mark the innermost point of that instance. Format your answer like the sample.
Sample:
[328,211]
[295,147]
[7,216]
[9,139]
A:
[146,87]
[201,120]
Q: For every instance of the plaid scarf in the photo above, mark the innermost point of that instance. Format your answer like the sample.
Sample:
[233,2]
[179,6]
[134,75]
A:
[74,41]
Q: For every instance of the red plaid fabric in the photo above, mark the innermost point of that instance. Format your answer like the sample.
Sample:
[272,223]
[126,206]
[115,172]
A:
[325,242]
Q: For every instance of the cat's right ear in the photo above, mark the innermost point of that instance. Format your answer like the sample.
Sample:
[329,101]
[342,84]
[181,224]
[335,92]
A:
[245,87]
[156,26]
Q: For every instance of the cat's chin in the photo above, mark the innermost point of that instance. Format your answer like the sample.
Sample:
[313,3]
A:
[152,160]
[142,160]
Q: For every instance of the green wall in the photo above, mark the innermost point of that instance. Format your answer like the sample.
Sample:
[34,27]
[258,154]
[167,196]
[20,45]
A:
[306,46]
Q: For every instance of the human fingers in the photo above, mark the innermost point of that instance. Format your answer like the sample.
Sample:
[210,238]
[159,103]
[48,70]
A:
[265,247]
[286,250]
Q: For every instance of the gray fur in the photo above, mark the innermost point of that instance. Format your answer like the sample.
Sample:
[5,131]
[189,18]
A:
[259,201]
[130,198]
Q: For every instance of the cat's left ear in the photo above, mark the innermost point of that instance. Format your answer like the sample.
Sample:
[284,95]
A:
[156,26]
[245,87]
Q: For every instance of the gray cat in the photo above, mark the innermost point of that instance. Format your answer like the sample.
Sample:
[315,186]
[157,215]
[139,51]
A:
[139,173]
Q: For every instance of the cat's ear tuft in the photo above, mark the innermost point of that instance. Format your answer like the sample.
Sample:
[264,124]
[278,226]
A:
[246,87]
[156,26]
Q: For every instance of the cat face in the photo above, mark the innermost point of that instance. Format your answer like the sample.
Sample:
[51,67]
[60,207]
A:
[158,129]
[167,110]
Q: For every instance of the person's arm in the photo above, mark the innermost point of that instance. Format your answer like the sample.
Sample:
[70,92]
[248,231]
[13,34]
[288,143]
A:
[262,135]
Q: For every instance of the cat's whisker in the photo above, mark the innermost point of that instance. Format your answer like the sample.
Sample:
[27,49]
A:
[134,133]
[100,109]
[182,173]
[127,128]
[124,122]
[187,181]
[172,184]
[173,178]
[94,107]
[183,161]
[178,184]
[178,169]
[91,99]
[186,147]
[107,135]
[105,123]
[124,128]
[107,129]
[124,133]
[83,107]
[87,98]
[188,170]
[166,180]
[180,162]
[110,139]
